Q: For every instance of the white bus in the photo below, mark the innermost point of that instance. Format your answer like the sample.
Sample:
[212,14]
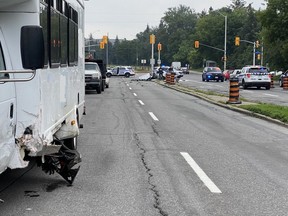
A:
[41,111]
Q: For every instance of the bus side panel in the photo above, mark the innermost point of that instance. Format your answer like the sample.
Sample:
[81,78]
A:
[10,154]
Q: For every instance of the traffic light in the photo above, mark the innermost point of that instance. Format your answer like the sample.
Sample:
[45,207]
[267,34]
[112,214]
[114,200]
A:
[258,56]
[105,39]
[257,43]
[237,41]
[102,45]
[196,44]
[159,46]
[152,39]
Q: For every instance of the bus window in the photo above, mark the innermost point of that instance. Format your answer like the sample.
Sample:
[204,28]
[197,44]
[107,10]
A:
[2,65]
[2,62]
[44,24]
[55,38]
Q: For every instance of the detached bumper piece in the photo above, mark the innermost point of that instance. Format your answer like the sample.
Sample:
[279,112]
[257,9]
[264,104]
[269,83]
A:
[63,163]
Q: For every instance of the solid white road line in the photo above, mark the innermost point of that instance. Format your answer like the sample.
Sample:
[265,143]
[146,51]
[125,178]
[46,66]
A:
[141,102]
[153,116]
[201,174]
[272,95]
[135,94]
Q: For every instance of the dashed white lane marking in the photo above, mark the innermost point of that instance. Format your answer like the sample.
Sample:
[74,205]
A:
[135,94]
[153,116]
[130,88]
[272,95]
[201,174]
[141,102]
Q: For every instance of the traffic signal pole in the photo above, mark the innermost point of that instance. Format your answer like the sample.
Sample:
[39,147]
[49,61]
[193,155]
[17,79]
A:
[152,60]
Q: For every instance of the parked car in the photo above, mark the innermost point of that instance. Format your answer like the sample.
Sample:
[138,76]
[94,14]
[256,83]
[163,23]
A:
[155,74]
[227,74]
[93,77]
[235,73]
[212,73]
[126,71]
[276,73]
[185,70]
[254,76]
[281,77]
[178,73]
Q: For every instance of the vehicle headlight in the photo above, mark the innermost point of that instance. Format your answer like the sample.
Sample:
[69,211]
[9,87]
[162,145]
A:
[96,76]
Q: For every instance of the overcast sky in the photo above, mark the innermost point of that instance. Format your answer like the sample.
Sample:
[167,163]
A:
[126,18]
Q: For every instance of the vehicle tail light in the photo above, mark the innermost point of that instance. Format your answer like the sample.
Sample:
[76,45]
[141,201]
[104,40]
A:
[269,76]
[248,75]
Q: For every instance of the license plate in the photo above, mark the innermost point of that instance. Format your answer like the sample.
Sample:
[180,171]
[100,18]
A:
[216,77]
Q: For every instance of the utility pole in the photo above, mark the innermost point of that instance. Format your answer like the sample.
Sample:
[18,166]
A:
[225,44]
[225,40]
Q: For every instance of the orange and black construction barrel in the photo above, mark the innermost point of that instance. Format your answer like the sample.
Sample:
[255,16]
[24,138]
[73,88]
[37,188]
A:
[234,92]
[272,81]
[172,80]
[168,78]
[285,83]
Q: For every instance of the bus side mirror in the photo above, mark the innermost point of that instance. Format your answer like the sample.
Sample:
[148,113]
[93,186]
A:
[32,47]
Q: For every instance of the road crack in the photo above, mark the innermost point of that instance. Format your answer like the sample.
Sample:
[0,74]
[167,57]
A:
[153,187]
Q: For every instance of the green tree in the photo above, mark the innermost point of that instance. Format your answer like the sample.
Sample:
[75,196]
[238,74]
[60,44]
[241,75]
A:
[175,27]
[274,20]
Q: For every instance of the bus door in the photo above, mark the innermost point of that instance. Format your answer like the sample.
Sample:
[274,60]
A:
[7,98]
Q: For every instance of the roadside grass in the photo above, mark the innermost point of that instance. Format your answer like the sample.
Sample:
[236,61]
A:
[271,110]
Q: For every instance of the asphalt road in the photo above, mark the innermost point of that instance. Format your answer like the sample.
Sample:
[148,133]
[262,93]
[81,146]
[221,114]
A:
[150,150]
[275,95]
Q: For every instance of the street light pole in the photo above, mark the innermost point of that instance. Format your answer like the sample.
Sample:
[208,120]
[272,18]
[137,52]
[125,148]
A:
[254,54]
[225,40]
[225,44]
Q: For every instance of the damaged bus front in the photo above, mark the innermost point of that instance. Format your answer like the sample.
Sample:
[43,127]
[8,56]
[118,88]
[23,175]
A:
[42,84]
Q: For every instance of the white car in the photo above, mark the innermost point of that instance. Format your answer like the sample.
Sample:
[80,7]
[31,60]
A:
[126,71]
[235,73]
[178,73]
[254,76]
